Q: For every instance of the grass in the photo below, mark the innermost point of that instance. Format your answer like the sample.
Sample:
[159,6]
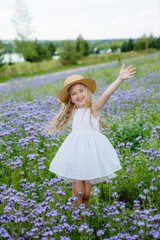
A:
[34,204]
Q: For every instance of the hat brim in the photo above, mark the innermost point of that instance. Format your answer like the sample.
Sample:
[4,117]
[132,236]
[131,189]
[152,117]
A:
[89,82]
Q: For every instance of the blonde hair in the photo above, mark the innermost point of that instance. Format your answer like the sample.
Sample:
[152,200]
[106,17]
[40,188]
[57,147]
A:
[62,119]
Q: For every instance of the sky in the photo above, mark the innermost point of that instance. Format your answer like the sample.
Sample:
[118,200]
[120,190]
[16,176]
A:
[93,19]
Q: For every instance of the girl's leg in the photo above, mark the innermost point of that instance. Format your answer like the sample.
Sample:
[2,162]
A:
[76,188]
[87,190]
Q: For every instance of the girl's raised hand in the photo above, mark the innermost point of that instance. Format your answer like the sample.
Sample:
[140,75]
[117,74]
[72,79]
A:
[126,73]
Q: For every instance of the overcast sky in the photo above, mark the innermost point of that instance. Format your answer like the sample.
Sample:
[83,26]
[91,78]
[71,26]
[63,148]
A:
[93,19]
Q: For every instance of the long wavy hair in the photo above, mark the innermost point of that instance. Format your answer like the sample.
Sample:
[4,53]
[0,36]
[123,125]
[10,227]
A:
[62,119]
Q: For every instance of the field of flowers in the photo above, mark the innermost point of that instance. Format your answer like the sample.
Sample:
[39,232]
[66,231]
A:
[35,204]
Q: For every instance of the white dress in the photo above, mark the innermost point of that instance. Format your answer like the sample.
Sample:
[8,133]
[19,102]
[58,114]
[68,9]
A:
[85,154]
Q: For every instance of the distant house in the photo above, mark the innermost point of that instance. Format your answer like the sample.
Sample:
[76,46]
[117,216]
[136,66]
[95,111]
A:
[109,50]
[12,58]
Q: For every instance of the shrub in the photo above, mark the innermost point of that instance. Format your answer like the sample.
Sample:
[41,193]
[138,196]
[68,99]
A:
[68,53]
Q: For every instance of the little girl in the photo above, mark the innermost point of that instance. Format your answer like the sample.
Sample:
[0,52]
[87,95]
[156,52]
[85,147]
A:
[86,156]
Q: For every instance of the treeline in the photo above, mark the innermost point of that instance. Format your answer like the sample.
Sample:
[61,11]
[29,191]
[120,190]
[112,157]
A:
[140,44]
[70,51]
[34,51]
[132,44]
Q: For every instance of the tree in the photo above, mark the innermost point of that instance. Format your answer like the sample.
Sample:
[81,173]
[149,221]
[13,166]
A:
[102,46]
[147,42]
[140,44]
[124,46]
[42,51]
[127,45]
[114,46]
[51,48]
[33,51]
[153,42]
[130,45]
[1,54]
[22,21]
[82,46]
[68,54]
[23,25]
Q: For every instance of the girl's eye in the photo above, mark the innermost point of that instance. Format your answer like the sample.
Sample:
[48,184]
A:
[73,94]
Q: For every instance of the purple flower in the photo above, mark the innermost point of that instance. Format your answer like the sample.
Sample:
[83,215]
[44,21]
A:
[128,170]
[64,238]
[61,193]
[96,191]
[140,184]
[100,233]
[138,138]
[115,194]
[129,144]
[157,168]
[156,217]
[153,179]
[153,188]
[142,196]
[109,181]
[83,227]
[32,156]
[4,233]
[108,225]
[141,232]
[141,223]
[146,191]
[155,233]
[121,145]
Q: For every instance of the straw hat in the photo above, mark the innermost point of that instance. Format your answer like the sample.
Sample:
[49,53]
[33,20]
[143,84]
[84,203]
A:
[73,79]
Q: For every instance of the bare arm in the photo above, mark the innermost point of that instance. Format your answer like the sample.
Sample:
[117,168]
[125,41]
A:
[124,74]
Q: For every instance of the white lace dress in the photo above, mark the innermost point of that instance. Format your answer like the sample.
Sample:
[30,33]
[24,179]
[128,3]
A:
[86,154]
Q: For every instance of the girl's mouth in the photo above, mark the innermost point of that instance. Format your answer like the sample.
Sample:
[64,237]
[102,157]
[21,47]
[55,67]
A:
[80,100]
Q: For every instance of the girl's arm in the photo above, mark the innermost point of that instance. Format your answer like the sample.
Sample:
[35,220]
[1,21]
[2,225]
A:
[124,74]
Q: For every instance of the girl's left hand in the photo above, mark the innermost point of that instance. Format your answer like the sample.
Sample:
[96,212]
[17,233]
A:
[126,73]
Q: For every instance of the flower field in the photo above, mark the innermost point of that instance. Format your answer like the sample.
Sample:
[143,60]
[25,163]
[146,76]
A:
[35,204]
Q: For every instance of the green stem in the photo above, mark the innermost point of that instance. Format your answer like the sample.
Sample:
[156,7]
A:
[109,194]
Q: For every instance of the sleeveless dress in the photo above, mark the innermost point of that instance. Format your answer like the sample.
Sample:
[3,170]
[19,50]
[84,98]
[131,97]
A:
[86,154]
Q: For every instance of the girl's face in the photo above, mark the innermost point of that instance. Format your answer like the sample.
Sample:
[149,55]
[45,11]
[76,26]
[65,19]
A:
[78,95]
